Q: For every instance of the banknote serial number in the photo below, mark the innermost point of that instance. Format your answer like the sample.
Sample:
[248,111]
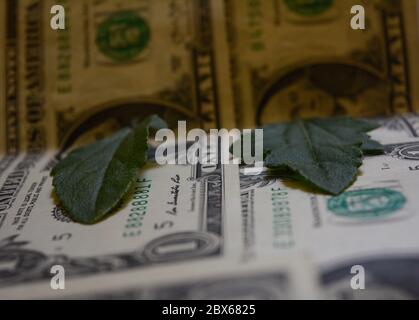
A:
[138,209]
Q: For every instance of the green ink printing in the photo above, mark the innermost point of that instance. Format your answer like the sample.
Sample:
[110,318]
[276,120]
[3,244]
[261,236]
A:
[309,8]
[367,203]
[123,36]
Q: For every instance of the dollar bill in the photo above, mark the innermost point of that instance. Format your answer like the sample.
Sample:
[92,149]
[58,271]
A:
[115,61]
[174,214]
[302,58]
[271,279]
[388,277]
[371,225]
[259,286]
[377,215]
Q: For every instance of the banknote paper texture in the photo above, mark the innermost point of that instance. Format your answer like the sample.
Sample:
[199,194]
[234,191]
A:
[278,279]
[184,252]
[172,216]
[374,220]
[214,63]
[389,277]
[115,60]
[258,219]
[290,59]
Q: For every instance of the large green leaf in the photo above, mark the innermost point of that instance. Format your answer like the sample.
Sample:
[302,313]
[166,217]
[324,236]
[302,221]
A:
[325,152]
[92,180]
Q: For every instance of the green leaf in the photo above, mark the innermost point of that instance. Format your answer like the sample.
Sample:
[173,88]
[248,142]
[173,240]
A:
[325,152]
[93,179]
[371,147]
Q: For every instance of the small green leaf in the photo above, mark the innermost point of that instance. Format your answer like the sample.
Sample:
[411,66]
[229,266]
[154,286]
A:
[92,180]
[371,147]
[325,152]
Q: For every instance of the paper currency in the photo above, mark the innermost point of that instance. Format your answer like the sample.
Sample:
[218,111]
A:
[373,221]
[178,236]
[277,279]
[214,63]
[188,232]
[116,60]
[389,277]
[175,213]
[181,217]
[290,58]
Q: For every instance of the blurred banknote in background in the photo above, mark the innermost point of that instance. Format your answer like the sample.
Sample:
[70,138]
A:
[114,61]
[301,58]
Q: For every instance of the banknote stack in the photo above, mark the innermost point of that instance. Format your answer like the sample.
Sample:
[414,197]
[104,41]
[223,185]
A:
[184,232]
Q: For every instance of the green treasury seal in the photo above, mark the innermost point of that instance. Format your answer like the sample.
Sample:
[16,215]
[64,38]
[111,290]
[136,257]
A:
[122,36]
[308,7]
[367,203]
